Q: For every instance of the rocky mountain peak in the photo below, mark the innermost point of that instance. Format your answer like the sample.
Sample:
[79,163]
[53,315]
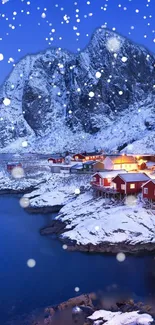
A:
[57,95]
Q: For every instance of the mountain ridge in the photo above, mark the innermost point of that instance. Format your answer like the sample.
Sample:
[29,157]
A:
[62,100]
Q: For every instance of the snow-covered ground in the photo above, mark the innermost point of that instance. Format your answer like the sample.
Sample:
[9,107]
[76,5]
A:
[94,222]
[58,190]
[31,177]
[117,318]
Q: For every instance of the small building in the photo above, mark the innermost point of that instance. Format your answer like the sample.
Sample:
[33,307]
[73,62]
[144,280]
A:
[79,157]
[148,190]
[128,163]
[104,178]
[56,160]
[77,168]
[12,165]
[150,165]
[129,183]
[86,156]
[93,166]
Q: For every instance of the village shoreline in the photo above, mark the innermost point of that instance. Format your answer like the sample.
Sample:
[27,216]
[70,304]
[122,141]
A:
[87,203]
[58,228]
[83,307]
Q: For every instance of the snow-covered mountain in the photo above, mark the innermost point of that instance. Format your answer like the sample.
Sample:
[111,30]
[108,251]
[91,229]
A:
[103,97]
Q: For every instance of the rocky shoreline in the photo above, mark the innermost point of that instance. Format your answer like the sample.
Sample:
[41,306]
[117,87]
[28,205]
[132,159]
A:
[58,228]
[23,191]
[78,310]
[44,209]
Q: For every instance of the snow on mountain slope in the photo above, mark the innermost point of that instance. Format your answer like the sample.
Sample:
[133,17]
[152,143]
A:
[103,97]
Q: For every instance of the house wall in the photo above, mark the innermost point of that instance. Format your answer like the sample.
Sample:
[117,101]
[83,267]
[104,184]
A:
[108,164]
[56,160]
[99,180]
[151,191]
[128,167]
[98,167]
[79,157]
[118,181]
[137,189]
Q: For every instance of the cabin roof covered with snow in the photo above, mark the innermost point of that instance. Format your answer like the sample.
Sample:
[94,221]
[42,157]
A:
[123,159]
[90,162]
[87,154]
[134,177]
[109,173]
[77,166]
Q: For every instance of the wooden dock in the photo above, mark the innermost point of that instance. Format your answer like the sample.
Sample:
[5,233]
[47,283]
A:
[106,192]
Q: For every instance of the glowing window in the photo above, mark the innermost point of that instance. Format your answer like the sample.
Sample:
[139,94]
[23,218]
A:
[132,186]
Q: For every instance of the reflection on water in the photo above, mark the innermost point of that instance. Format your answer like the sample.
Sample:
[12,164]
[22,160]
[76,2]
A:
[58,272]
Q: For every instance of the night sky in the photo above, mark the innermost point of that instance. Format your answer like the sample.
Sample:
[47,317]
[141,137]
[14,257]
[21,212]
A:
[29,26]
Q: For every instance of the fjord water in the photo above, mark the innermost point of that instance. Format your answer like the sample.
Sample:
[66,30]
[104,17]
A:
[57,272]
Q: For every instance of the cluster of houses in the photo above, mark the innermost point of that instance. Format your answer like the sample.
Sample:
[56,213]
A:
[112,174]
[123,183]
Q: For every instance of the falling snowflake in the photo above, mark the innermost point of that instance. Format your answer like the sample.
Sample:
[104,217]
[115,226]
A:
[17,172]
[113,44]
[1,57]
[31,263]
[91,94]
[124,59]
[120,92]
[98,75]
[77,191]
[77,289]
[120,257]
[6,101]
[43,15]
[64,247]
[24,144]
[24,202]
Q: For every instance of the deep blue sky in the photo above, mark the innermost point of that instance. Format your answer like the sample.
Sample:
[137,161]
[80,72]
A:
[30,33]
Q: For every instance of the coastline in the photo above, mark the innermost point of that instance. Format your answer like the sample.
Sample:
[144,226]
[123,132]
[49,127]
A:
[81,216]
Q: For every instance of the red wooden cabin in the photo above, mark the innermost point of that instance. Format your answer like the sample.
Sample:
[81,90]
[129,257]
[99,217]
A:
[86,156]
[12,165]
[79,157]
[148,190]
[129,183]
[56,160]
[104,178]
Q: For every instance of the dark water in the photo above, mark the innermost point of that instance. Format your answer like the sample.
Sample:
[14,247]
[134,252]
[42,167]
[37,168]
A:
[57,272]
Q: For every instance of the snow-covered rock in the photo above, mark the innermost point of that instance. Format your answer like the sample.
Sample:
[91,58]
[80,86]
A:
[118,318]
[94,225]
[10,184]
[58,190]
[58,102]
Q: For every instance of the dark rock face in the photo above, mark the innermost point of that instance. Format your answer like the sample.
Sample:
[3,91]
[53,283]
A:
[51,89]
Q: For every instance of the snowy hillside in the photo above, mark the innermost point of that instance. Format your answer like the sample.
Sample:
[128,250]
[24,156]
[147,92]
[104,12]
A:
[56,100]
